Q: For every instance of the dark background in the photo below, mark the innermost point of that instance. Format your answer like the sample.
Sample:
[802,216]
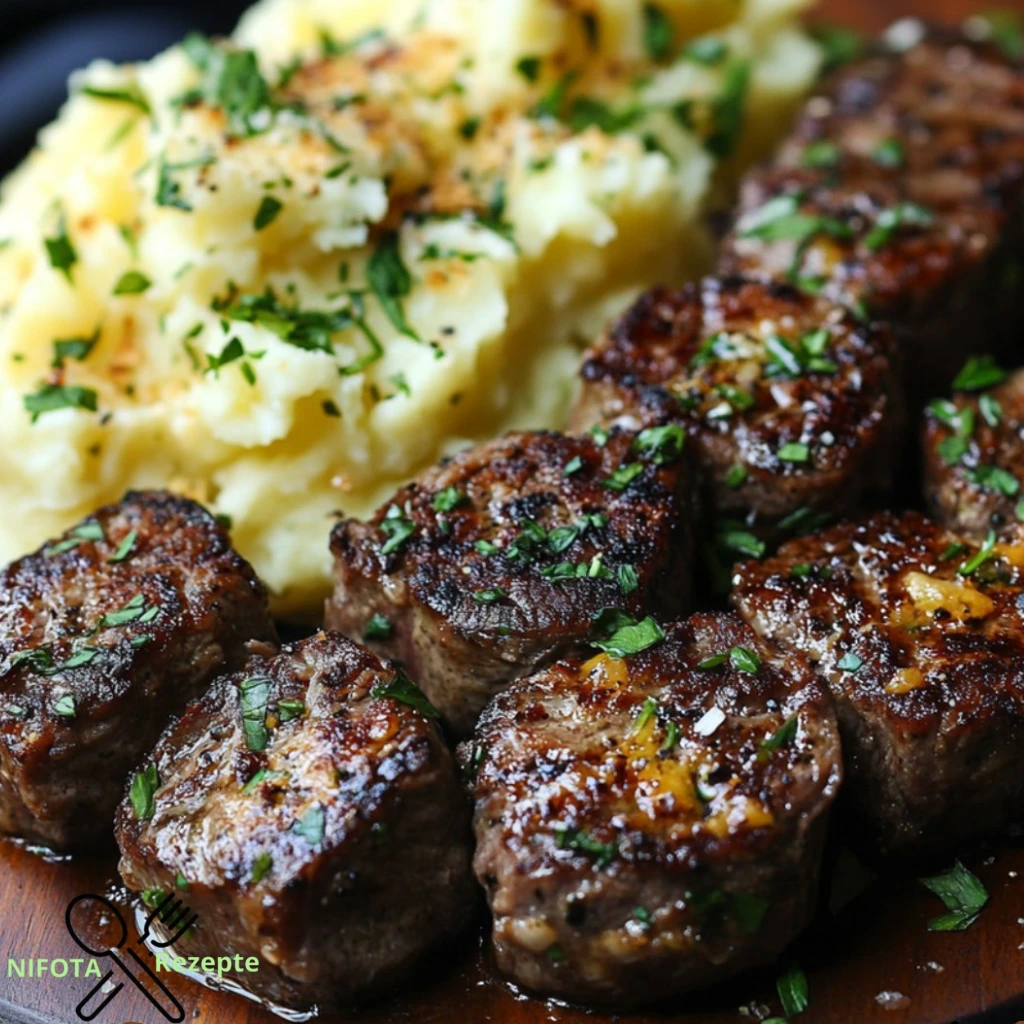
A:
[42,41]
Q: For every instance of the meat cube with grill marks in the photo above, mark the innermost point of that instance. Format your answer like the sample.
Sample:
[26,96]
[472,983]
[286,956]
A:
[650,824]
[791,403]
[104,635]
[918,635]
[901,190]
[497,561]
[308,811]
[974,452]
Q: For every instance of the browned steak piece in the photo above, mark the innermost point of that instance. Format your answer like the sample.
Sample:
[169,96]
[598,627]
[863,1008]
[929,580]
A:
[901,189]
[104,635]
[498,560]
[791,403]
[652,824]
[308,811]
[974,452]
[919,637]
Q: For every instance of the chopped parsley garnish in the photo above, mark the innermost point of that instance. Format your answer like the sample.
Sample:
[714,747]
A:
[574,465]
[131,94]
[890,154]
[738,541]
[378,627]
[657,32]
[714,661]
[990,409]
[490,595]
[310,330]
[954,549]
[73,348]
[168,188]
[65,706]
[841,45]
[80,658]
[804,520]
[744,660]
[141,794]
[821,154]
[61,251]
[793,991]
[888,222]
[620,635]
[311,827]
[135,610]
[289,709]
[87,531]
[728,110]
[398,528]
[627,578]
[389,279]
[849,662]
[963,894]
[231,80]
[782,737]
[405,691]
[780,220]
[662,444]
[622,477]
[981,556]
[736,477]
[132,282]
[51,397]
[255,695]
[529,68]
[994,479]
[978,373]
[330,408]
[582,842]
[952,449]
[647,713]
[261,866]
[266,213]
[449,499]
[153,896]
[469,128]
[1005,29]
[794,451]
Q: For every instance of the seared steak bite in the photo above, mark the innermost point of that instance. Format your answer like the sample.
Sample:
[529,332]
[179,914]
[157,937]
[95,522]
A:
[104,634]
[308,811]
[650,825]
[918,635]
[497,561]
[974,452]
[790,401]
[901,190]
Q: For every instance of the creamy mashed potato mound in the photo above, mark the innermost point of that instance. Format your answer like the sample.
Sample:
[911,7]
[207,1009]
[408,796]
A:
[282,273]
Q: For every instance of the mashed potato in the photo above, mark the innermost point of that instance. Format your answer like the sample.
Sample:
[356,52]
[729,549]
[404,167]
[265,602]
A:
[284,272]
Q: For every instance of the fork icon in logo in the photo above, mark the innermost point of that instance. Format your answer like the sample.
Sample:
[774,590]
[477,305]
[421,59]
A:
[175,920]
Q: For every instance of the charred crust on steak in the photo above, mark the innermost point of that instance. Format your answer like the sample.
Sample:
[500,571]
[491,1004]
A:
[648,825]
[917,632]
[302,850]
[106,633]
[790,401]
[901,192]
[507,552]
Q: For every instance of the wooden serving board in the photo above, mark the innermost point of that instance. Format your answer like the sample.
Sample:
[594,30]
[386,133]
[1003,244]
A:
[877,944]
